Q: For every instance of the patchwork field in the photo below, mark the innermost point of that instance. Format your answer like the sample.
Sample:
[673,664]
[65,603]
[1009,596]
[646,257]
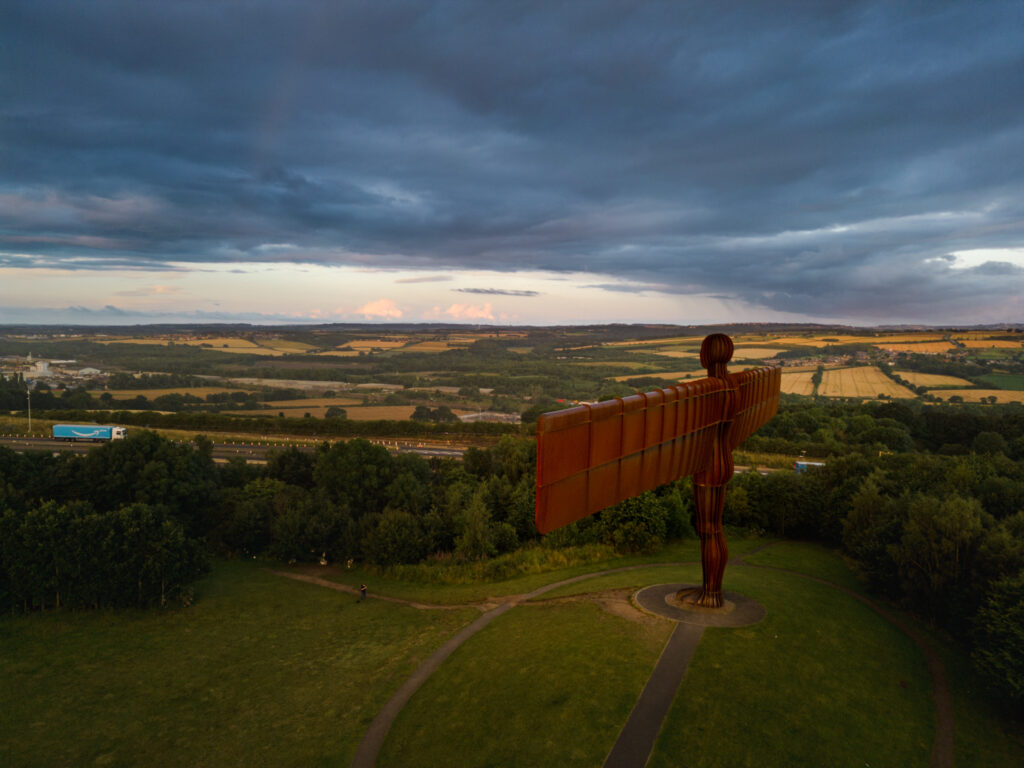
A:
[864,381]
[933,379]
[976,395]
[755,353]
[990,344]
[655,342]
[430,346]
[924,348]
[367,345]
[674,353]
[798,383]
[262,346]
[376,412]
[323,402]
[128,394]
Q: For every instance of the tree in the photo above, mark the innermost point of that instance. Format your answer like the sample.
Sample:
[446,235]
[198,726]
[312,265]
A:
[999,638]
[639,524]
[398,538]
[990,443]
[474,542]
[935,552]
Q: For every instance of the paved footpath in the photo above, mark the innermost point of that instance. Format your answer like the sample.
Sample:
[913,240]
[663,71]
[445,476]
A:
[633,747]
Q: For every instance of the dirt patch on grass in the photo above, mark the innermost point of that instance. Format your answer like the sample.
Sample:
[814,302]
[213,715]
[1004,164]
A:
[614,601]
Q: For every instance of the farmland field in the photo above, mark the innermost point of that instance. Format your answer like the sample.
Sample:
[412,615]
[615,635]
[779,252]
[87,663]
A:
[975,395]
[376,412]
[864,381]
[924,348]
[933,379]
[673,352]
[672,376]
[428,346]
[656,342]
[990,344]
[365,345]
[324,402]
[754,353]
[798,383]
[127,394]
[976,334]
[1004,380]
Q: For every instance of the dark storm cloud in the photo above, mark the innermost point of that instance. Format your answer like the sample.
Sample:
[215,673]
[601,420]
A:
[496,292]
[817,159]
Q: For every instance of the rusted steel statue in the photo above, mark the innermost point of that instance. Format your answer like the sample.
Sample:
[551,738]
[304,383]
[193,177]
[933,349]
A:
[593,456]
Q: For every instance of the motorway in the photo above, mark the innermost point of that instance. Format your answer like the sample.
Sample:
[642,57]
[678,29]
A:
[252,452]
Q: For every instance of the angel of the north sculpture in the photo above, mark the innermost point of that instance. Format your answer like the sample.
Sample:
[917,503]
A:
[593,456]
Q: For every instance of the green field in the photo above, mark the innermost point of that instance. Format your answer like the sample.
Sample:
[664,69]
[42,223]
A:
[259,671]
[263,670]
[1004,380]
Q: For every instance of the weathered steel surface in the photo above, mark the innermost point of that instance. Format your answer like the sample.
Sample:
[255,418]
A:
[593,456]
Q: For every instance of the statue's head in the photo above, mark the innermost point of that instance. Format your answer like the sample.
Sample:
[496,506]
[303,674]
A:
[715,354]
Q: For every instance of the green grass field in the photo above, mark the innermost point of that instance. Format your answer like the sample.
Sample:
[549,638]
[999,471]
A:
[542,685]
[1004,380]
[821,681]
[262,670]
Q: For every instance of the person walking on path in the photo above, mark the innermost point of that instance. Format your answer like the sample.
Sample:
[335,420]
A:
[362,592]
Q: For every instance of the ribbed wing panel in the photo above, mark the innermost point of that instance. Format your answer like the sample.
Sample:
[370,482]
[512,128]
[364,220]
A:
[757,400]
[594,456]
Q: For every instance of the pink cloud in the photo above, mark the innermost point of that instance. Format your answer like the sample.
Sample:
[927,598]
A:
[380,308]
[470,312]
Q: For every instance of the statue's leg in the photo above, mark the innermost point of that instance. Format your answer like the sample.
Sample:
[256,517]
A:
[714,553]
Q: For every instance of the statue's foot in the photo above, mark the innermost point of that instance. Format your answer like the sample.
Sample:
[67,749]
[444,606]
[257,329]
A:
[698,597]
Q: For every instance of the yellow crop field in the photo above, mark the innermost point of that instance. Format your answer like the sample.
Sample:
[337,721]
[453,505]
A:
[655,342]
[976,395]
[375,412]
[798,383]
[864,381]
[754,353]
[990,344]
[222,342]
[283,345]
[978,334]
[521,350]
[673,353]
[428,346]
[339,353]
[365,345]
[923,348]
[933,379]
[801,341]
[673,376]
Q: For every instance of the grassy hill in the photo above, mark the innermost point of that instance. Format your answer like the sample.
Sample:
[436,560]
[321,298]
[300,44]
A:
[262,670]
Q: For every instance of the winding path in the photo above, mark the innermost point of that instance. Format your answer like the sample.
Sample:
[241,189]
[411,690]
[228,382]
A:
[634,744]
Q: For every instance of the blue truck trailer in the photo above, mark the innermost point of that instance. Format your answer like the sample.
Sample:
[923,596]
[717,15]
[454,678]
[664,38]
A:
[93,432]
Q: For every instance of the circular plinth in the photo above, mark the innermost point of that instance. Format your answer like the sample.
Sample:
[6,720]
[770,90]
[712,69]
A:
[738,611]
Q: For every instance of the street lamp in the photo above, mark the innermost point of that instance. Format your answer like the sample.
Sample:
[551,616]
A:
[28,394]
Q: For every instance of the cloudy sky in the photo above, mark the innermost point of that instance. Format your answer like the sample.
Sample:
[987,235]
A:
[500,162]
